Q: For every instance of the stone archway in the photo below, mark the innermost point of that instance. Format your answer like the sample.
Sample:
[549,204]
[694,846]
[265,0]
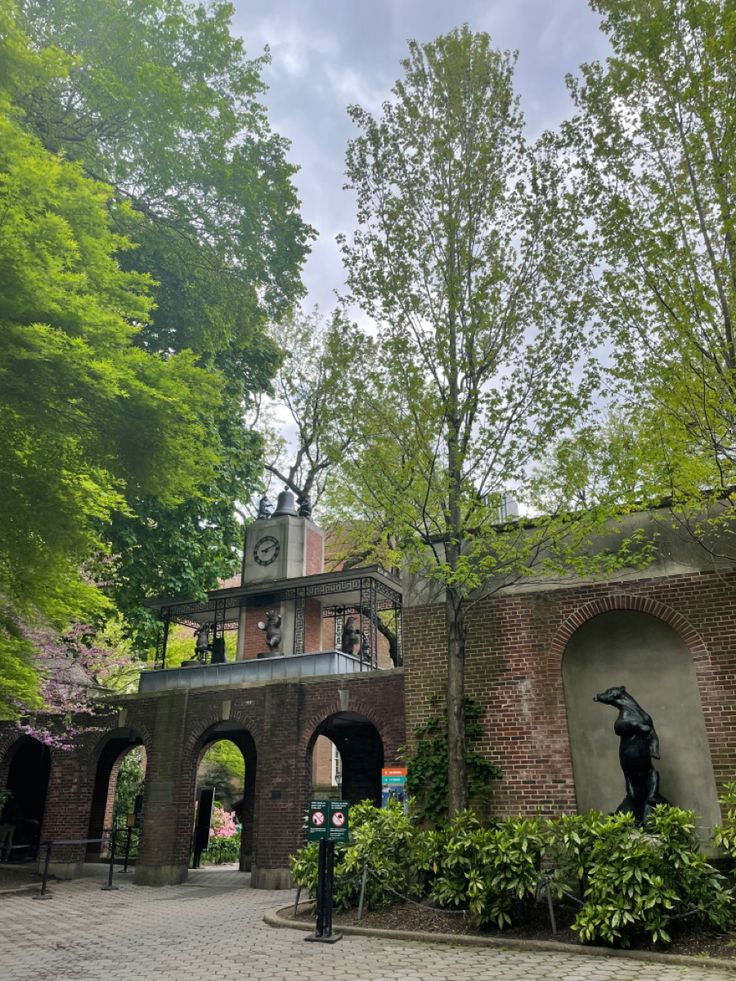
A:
[28,764]
[653,661]
[235,733]
[361,751]
[110,754]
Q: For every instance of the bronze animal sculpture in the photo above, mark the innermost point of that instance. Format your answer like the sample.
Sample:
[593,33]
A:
[272,626]
[350,636]
[638,745]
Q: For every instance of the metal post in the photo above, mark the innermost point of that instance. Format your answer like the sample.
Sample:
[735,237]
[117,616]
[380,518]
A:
[43,894]
[127,849]
[110,886]
[327,895]
[296,901]
[550,908]
[362,892]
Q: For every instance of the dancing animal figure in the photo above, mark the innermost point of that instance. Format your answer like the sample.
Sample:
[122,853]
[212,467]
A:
[272,626]
[638,745]
[350,636]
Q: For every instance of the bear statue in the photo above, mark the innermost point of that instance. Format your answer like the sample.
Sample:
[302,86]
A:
[272,626]
[638,745]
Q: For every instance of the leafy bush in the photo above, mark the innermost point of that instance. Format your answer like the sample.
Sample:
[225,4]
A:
[724,835]
[493,871]
[385,840]
[222,850]
[633,881]
[641,880]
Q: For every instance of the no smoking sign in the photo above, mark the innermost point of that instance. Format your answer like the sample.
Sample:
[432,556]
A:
[328,819]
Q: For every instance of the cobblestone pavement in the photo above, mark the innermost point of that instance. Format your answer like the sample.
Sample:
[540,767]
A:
[211,928]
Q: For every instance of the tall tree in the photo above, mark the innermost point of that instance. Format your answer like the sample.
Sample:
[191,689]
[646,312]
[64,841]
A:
[655,141]
[319,388]
[161,102]
[89,418]
[466,257]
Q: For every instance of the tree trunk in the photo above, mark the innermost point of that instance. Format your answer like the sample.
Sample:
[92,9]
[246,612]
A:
[457,780]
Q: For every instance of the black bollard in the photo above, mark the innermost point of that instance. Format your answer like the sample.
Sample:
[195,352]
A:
[110,886]
[325,875]
[43,894]
[127,848]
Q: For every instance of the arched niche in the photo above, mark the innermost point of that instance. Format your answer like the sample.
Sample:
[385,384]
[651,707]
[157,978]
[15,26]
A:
[648,657]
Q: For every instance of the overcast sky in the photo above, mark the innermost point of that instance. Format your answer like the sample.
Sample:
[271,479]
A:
[327,54]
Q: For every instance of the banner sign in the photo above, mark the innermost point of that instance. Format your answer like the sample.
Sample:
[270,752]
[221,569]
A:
[393,786]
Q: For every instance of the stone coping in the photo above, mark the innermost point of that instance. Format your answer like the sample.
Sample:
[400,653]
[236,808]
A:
[275,918]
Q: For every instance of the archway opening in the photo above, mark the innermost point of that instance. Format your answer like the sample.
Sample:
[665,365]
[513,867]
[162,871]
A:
[118,790]
[651,660]
[358,748]
[227,767]
[28,780]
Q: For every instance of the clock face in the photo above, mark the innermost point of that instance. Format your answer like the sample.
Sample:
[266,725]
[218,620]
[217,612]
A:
[266,550]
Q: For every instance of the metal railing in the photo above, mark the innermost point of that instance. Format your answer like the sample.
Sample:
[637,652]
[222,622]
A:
[109,836]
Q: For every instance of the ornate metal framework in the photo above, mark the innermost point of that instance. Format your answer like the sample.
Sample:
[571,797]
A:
[362,593]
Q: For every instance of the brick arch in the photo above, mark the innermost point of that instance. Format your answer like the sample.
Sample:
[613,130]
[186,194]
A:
[140,732]
[639,604]
[356,705]
[196,734]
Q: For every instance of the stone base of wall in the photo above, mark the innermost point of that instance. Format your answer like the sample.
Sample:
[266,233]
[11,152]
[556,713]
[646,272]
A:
[271,878]
[160,875]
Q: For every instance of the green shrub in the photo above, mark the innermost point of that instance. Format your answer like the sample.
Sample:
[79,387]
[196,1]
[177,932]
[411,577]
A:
[222,850]
[724,835]
[641,880]
[493,872]
[385,840]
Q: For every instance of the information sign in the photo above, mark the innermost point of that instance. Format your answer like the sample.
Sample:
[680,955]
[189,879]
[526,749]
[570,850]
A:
[393,786]
[338,829]
[318,817]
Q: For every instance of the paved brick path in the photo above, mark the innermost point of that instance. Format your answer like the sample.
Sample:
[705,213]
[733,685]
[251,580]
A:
[211,928]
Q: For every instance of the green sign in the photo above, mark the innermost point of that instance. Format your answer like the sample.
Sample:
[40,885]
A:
[328,819]
[319,814]
[338,829]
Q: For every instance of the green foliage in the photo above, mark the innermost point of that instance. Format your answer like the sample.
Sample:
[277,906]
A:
[90,418]
[427,766]
[724,835]
[131,777]
[489,871]
[172,120]
[639,881]
[222,767]
[654,135]
[635,882]
[383,839]
[221,851]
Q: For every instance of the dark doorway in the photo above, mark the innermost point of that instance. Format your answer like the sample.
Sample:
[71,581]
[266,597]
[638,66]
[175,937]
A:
[361,755]
[28,781]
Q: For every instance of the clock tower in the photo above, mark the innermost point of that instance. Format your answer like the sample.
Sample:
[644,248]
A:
[284,545]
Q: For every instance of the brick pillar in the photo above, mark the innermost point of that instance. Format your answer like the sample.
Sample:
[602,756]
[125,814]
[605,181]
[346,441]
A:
[281,783]
[167,802]
[66,815]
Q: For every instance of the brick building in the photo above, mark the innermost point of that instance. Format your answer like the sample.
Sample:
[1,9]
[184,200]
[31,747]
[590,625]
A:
[536,655]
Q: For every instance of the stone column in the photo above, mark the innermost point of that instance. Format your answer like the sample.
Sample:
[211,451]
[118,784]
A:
[167,799]
[281,782]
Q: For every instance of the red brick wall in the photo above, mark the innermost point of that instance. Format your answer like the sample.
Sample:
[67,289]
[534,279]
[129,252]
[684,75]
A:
[314,559]
[313,627]
[514,669]
[255,639]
